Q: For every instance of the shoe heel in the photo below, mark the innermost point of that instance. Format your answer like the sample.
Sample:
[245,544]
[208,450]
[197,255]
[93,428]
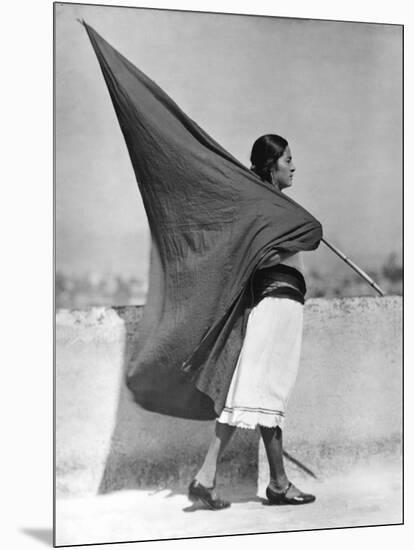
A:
[273,498]
[202,495]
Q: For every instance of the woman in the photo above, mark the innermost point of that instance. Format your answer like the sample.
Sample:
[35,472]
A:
[192,357]
[268,361]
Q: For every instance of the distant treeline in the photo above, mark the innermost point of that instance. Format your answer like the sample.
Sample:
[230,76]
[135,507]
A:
[100,289]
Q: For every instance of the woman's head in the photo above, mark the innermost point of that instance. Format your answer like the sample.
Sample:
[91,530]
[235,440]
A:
[271,160]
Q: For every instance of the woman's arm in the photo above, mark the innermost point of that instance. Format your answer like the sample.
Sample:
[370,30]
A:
[274,258]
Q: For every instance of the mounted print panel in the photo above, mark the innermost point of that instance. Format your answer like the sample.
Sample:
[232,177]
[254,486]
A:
[228,274]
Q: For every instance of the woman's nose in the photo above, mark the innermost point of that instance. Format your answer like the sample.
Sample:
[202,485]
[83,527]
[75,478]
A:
[292,167]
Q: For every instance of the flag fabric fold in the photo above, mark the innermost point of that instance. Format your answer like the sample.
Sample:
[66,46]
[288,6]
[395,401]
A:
[212,221]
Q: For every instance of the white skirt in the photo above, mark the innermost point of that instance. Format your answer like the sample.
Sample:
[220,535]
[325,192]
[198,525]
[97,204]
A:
[267,365]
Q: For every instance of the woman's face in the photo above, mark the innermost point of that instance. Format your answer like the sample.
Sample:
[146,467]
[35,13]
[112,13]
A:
[282,173]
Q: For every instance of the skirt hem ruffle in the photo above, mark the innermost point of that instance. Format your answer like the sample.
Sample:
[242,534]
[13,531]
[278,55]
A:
[250,421]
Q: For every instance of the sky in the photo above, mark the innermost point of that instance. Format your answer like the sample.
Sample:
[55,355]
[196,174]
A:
[333,89]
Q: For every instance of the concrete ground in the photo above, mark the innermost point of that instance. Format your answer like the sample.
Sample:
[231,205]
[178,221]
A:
[367,497]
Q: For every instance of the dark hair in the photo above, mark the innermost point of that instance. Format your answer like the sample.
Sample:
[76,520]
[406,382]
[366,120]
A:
[266,151]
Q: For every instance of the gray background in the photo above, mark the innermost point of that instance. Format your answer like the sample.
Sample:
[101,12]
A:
[332,89]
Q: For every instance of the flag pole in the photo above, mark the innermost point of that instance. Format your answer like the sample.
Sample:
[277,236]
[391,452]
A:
[354,267]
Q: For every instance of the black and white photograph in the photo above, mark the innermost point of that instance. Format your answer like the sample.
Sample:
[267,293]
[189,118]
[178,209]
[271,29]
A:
[228,274]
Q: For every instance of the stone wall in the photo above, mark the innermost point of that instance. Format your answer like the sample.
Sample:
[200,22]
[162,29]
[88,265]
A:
[345,408]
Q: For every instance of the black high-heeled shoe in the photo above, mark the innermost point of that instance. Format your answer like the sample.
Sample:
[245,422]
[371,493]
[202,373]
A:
[280,498]
[197,492]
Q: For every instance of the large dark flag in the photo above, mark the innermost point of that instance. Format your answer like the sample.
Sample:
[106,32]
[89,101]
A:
[212,222]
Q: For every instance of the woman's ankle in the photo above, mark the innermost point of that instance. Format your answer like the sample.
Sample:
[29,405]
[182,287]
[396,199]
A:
[279,484]
[206,481]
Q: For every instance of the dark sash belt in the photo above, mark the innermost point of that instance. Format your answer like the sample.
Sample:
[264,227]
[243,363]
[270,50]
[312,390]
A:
[281,281]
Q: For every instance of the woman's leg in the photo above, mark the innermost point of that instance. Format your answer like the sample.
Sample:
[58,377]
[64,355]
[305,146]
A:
[207,473]
[273,442]
[279,482]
